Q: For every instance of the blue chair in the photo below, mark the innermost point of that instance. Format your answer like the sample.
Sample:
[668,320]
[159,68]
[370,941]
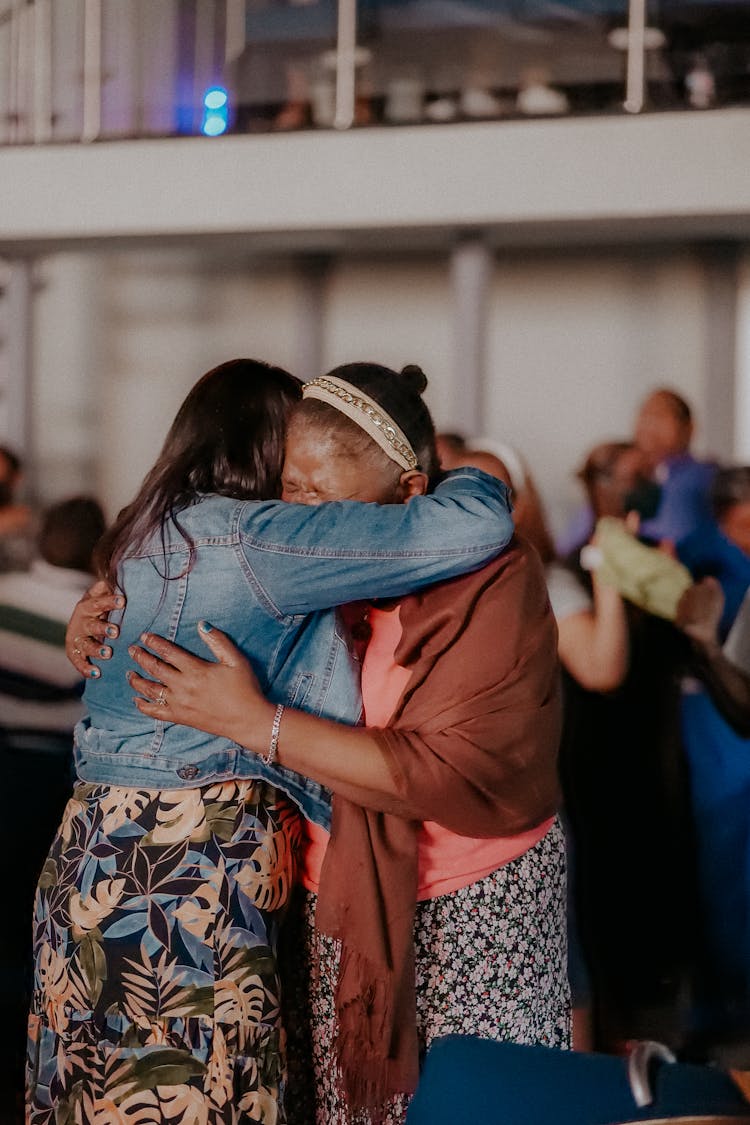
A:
[468,1081]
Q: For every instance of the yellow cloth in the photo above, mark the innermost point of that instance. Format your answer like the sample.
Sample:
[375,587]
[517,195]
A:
[644,575]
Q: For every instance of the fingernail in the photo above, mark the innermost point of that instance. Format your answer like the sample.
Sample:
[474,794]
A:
[129,676]
[111,630]
[94,673]
[204,627]
[105,652]
[119,602]
[144,638]
[131,650]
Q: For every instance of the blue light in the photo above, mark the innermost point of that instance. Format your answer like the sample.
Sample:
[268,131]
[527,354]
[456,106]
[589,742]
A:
[215,112]
[214,125]
[215,97]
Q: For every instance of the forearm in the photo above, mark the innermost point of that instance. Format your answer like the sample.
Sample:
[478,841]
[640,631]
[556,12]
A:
[312,557]
[593,645]
[610,644]
[343,759]
[727,684]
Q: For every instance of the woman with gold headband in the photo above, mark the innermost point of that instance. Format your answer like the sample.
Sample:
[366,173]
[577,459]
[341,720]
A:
[437,904]
[156,992]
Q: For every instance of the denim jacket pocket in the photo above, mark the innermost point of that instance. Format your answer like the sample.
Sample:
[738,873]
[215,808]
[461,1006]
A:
[300,690]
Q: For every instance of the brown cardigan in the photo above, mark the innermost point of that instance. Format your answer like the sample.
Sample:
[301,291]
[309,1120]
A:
[472,745]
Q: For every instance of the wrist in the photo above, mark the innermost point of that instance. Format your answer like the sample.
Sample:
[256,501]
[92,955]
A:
[273,743]
[252,726]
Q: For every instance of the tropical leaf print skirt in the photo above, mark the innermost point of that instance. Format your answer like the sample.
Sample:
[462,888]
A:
[156,993]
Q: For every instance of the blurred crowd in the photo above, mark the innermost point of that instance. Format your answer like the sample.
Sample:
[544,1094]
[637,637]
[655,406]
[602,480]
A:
[45,566]
[648,585]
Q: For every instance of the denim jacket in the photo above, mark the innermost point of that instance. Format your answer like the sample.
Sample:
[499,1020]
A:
[267,574]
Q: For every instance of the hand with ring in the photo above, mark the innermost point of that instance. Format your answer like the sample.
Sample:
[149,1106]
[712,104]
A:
[89,629]
[220,696]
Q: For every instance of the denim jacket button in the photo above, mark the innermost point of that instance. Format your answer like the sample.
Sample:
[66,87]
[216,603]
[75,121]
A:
[187,773]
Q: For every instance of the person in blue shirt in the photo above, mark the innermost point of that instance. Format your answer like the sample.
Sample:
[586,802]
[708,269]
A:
[680,500]
[663,433]
[155,924]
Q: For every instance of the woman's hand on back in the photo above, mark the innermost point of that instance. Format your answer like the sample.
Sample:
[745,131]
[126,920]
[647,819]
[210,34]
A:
[221,696]
[89,630]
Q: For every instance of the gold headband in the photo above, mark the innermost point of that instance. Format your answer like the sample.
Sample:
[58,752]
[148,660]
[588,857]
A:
[367,414]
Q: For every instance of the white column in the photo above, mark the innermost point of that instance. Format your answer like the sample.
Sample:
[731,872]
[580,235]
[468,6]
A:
[158,49]
[67,69]
[471,271]
[742,359]
[720,268]
[346,47]
[18,383]
[310,316]
[635,93]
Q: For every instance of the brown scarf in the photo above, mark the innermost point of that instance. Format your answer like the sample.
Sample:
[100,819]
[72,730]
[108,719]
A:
[473,746]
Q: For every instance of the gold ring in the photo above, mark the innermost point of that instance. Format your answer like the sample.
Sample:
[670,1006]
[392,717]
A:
[161,698]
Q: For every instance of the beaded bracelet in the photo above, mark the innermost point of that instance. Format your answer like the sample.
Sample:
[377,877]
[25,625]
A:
[273,745]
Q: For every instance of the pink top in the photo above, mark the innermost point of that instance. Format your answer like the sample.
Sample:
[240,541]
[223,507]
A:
[447,861]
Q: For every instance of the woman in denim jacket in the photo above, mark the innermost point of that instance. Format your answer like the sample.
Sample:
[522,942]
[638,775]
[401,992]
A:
[155,924]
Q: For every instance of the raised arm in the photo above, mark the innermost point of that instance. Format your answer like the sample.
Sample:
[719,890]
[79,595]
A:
[309,557]
[698,615]
[593,643]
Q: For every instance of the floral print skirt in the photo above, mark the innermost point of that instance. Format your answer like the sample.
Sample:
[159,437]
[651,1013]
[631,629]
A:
[491,960]
[156,993]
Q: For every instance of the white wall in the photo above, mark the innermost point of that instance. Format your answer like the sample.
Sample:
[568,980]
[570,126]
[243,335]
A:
[393,311]
[574,342]
[168,317]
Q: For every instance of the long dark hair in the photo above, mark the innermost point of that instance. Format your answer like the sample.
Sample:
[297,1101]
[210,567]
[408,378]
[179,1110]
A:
[227,438]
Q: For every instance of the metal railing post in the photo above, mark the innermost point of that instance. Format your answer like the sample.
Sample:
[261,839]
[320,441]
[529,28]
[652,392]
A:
[635,90]
[346,46]
[42,117]
[234,30]
[92,70]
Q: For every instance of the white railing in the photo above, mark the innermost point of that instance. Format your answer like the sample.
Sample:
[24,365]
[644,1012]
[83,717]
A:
[85,70]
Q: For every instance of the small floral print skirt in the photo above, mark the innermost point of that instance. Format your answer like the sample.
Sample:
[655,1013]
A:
[491,960]
[156,994]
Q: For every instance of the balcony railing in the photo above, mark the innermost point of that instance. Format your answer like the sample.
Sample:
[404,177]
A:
[89,70]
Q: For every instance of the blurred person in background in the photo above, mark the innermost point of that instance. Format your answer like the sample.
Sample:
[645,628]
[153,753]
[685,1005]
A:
[720,547]
[17,529]
[40,702]
[626,796]
[724,669]
[716,725]
[592,641]
[663,434]
[593,651]
[39,690]
[504,461]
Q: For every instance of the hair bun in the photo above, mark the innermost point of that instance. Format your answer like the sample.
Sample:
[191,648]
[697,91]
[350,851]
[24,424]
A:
[414,377]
